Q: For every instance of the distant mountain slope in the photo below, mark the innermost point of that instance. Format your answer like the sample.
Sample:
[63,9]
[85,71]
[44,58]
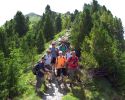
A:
[33,17]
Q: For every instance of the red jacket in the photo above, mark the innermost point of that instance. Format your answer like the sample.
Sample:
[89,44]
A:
[73,62]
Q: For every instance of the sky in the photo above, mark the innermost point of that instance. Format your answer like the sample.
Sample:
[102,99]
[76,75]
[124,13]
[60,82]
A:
[8,8]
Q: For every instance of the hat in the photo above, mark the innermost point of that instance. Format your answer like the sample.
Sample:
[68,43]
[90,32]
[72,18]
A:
[53,43]
[60,51]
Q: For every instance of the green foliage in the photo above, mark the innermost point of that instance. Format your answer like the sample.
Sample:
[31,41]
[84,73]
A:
[95,6]
[59,34]
[9,28]
[82,29]
[66,21]
[100,37]
[47,9]
[48,28]
[69,97]
[18,53]
[121,74]
[33,18]
[3,77]
[95,31]
[100,89]
[50,24]
[21,26]
[76,29]
[15,66]
[40,41]
[3,42]
[58,23]
[102,46]
[20,43]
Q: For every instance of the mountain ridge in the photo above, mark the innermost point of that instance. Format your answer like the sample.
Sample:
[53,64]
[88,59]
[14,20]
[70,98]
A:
[33,17]
[32,14]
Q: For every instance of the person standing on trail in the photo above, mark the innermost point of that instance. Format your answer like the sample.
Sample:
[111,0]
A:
[72,64]
[63,48]
[60,66]
[68,54]
[40,74]
[54,53]
[48,66]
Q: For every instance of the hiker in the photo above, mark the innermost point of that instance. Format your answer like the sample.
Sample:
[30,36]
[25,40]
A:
[68,54]
[54,53]
[72,64]
[60,66]
[40,74]
[63,48]
[48,66]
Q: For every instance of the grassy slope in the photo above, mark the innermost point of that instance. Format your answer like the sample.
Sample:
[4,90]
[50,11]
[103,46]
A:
[99,89]
[27,80]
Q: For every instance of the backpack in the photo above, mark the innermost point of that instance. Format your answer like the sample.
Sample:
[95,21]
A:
[35,69]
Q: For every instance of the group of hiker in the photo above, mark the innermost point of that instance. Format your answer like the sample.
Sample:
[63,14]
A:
[59,61]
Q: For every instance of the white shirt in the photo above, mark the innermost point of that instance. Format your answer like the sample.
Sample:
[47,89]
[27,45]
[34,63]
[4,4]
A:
[68,55]
[48,59]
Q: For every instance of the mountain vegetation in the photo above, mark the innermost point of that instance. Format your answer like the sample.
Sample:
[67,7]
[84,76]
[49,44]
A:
[94,31]
[99,36]
[33,18]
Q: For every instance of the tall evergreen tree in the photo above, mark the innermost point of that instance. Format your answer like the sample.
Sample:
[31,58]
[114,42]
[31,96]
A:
[48,28]
[95,6]
[83,25]
[9,28]
[47,9]
[20,23]
[4,46]
[58,24]
[40,41]
[14,64]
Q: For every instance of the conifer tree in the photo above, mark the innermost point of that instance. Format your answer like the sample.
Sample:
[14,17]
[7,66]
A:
[20,23]
[58,24]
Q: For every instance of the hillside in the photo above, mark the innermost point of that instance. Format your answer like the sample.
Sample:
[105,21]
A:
[33,17]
